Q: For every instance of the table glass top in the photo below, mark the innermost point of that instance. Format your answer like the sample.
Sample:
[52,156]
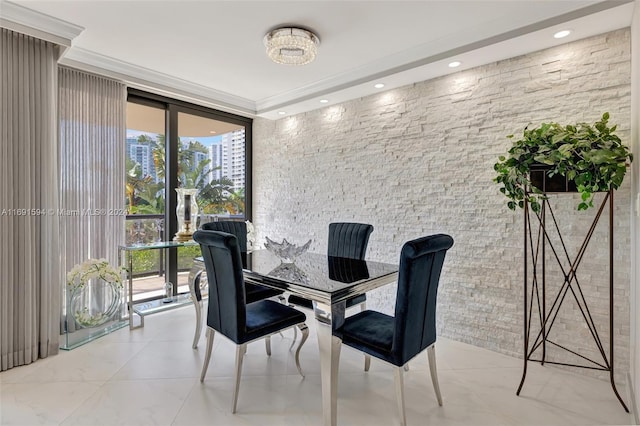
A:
[316,271]
[158,245]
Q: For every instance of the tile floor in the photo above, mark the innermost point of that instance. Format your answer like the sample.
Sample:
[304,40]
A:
[150,376]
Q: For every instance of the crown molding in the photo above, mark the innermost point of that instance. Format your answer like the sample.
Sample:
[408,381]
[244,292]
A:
[154,81]
[27,21]
[36,24]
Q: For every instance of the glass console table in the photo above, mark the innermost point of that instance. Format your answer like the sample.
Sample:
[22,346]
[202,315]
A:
[125,256]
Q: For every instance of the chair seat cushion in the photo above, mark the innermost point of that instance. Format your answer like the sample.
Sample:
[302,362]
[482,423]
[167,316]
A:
[370,332]
[266,317]
[306,303]
[254,292]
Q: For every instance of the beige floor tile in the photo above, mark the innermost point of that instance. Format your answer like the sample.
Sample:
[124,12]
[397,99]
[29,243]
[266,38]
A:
[150,376]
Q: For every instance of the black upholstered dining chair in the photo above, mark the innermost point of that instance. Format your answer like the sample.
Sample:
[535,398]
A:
[229,313]
[346,240]
[398,339]
[239,229]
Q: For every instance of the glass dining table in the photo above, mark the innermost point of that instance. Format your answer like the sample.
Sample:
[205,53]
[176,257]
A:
[325,280]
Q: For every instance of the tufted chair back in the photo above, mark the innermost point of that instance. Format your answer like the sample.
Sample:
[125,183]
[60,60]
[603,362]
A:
[421,262]
[348,239]
[227,306]
[237,228]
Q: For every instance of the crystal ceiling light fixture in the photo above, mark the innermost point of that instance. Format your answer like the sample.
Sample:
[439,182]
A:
[291,45]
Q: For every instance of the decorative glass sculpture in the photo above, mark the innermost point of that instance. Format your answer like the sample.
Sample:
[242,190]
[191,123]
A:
[286,251]
[290,272]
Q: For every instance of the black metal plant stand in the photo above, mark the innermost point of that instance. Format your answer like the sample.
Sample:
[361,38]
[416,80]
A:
[536,290]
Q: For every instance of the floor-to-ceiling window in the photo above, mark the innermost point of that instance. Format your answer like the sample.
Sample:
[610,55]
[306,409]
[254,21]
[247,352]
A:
[144,194]
[172,144]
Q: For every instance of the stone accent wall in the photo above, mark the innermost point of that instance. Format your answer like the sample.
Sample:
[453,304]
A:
[418,160]
[635,223]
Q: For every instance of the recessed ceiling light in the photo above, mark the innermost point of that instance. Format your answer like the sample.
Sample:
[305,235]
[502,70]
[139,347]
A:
[281,112]
[213,132]
[454,64]
[324,101]
[562,34]
[378,86]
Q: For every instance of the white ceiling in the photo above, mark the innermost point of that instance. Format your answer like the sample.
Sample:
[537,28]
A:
[211,52]
[152,120]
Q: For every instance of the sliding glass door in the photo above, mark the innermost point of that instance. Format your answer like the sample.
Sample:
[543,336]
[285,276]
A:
[170,145]
[145,195]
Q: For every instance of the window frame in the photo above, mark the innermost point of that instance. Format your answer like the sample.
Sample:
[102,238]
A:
[172,107]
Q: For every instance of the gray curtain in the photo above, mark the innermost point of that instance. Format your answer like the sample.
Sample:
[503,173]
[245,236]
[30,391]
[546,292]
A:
[92,113]
[30,275]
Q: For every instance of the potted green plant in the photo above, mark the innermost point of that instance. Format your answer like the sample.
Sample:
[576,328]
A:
[591,158]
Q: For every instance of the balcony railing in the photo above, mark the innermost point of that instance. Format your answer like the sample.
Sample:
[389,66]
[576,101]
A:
[149,228]
[143,229]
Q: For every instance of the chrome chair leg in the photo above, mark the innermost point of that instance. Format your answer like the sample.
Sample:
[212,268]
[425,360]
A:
[431,353]
[305,334]
[283,300]
[267,344]
[240,351]
[210,334]
[367,358]
[399,381]
[295,337]
[194,280]
[196,336]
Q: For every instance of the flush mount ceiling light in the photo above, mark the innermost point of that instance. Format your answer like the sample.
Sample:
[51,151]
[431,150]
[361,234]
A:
[291,45]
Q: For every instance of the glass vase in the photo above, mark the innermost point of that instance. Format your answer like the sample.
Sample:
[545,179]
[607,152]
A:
[95,303]
[187,213]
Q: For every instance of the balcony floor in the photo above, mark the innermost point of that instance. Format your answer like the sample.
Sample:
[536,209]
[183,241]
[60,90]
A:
[153,286]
